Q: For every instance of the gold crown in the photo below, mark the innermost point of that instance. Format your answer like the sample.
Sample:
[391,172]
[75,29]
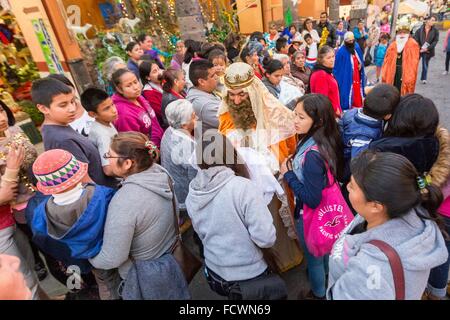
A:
[238,76]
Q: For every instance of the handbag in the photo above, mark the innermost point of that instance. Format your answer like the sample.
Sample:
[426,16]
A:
[187,261]
[325,224]
[368,59]
[396,267]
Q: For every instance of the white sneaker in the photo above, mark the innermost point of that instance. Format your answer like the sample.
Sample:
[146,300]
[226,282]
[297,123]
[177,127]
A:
[445,73]
[424,81]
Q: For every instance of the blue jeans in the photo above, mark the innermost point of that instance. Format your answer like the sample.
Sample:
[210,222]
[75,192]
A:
[317,267]
[437,282]
[425,62]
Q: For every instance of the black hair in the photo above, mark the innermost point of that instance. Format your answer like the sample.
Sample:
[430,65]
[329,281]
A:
[192,47]
[199,70]
[43,90]
[257,35]
[130,46]
[216,53]
[292,50]
[62,78]
[280,43]
[168,78]
[272,65]
[293,26]
[207,48]
[244,54]
[385,35]
[224,154]
[141,37]
[324,131]
[91,98]
[307,36]
[414,116]
[325,13]
[9,113]
[391,179]
[381,101]
[231,40]
[116,76]
[144,69]
[305,22]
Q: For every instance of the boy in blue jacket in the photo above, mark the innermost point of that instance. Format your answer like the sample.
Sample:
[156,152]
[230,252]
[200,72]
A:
[68,224]
[360,126]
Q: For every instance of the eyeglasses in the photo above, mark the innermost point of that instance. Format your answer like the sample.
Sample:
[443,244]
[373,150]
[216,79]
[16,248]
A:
[108,156]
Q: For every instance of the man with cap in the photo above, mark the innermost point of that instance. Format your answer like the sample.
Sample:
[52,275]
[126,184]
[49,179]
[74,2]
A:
[401,62]
[349,73]
[262,130]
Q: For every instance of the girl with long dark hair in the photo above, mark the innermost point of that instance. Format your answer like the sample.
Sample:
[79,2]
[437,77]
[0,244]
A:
[319,147]
[395,206]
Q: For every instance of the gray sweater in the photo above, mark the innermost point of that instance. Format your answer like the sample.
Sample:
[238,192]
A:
[359,270]
[206,106]
[230,217]
[140,221]
[176,151]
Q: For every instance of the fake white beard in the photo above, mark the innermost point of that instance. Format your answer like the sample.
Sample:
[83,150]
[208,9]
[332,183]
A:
[401,42]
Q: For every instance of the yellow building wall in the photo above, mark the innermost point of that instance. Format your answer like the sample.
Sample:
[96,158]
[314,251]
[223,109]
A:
[311,8]
[25,11]
[251,19]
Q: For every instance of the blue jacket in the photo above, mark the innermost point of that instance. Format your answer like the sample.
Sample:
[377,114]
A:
[83,240]
[357,132]
[358,34]
[343,72]
[380,53]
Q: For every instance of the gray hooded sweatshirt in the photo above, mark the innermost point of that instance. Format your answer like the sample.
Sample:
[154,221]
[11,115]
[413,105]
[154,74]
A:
[361,271]
[230,217]
[206,106]
[140,221]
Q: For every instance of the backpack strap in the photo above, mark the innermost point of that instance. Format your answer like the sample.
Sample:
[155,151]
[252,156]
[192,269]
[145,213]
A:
[396,267]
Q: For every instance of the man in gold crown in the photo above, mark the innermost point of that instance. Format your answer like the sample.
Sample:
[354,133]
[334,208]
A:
[401,62]
[262,130]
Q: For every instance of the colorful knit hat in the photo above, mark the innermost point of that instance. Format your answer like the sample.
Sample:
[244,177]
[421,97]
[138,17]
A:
[57,170]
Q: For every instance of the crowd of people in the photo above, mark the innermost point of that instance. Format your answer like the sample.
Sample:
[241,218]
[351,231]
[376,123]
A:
[343,174]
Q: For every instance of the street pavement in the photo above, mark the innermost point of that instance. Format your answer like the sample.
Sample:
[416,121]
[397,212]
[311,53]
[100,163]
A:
[437,89]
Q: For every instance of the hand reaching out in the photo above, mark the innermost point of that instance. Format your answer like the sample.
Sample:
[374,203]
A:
[15,157]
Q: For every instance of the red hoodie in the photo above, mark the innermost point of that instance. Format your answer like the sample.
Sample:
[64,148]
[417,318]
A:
[6,217]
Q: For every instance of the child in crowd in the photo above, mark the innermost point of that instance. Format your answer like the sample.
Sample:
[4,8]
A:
[360,126]
[101,107]
[319,150]
[135,113]
[380,53]
[57,102]
[311,51]
[69,224]
[219,60]
[282,46]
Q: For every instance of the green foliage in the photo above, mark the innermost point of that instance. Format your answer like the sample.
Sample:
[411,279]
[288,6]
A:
[36,116]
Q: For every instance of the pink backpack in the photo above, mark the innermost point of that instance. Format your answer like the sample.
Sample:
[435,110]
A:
[325,224]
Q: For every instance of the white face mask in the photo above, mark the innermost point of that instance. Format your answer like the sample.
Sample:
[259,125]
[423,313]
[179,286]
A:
[401,40]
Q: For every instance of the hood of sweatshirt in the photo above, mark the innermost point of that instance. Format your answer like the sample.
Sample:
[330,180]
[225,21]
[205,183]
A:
[206,185]
[201,97]
[154,179]
[419,243]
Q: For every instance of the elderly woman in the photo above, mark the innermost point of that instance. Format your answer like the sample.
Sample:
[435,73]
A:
[177,147]
[298,68]
[291,88]
[110,66]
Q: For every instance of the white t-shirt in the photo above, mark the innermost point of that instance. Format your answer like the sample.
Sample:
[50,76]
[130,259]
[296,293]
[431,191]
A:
[101,136]
[83,124]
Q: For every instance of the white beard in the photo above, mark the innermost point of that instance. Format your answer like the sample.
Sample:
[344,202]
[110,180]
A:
[401,42]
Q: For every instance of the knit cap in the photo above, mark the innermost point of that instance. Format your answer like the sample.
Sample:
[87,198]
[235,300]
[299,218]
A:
[57,171]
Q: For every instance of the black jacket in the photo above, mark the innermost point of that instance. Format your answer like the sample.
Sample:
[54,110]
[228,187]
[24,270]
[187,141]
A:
[433,39]
[421,151]
[166,99]
[331,40]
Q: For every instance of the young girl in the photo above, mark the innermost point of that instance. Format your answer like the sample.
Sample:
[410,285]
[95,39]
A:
[151,77]
[173,84]
[380,53]
[219,59]
[274,71]
[397,207]
[135,114]
[135,54]
[251,57]
[306,173]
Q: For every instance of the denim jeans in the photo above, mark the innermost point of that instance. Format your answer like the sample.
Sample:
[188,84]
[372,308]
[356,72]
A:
[425,62]
[437,282]
[317,267]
